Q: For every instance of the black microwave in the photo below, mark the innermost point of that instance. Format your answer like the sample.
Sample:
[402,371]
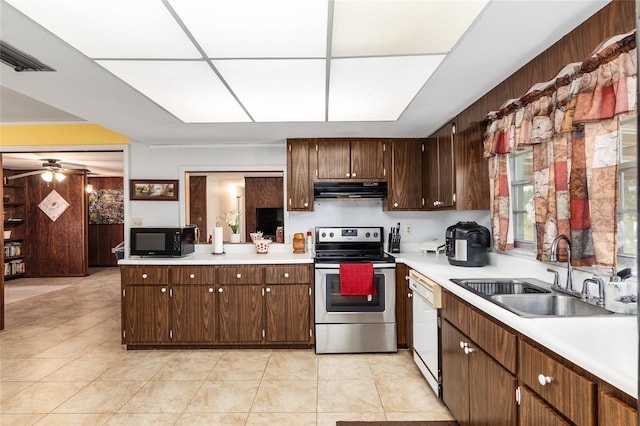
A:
[162,242]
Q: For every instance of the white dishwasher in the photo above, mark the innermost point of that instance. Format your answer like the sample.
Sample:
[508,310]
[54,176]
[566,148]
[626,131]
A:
[427,300]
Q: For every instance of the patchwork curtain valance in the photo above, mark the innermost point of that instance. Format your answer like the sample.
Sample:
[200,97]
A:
[571,124]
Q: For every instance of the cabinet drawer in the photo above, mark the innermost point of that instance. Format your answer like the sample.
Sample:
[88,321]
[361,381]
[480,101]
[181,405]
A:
[566,390]
[240,274]
[534,411]
[456,312]
[284,274]
[144,275]
[615,412]
[495,340]
[191,275]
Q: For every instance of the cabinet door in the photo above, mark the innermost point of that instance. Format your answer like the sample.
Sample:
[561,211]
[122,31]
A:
[404,305]
[367,159]
[239,313]
[455,373]
[406,175]
[534,412]
[192,313]
[439,174]
[446,173]
[491,390]
[430,178]
[334,159]
[472,171]
[299,187]
[287,313]
[145,314]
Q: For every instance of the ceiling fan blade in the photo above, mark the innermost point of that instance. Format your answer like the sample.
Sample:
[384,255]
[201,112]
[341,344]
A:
[21,175]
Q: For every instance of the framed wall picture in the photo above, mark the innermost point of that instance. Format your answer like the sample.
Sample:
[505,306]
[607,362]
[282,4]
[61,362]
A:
[154,190]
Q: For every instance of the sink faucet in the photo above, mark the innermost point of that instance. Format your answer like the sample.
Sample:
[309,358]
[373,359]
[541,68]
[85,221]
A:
[554,258]
[585,289]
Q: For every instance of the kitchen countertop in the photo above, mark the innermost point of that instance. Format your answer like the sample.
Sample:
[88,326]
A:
[235,254]
[605,346]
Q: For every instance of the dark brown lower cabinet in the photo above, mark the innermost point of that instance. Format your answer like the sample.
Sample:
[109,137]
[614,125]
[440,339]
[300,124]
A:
[145,314]
[534,412]
[192,313]
[475,387]
[239,313]
[613,412]
[287,317]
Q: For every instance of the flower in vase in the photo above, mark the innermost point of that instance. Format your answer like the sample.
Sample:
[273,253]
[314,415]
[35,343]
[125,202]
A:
[233,220]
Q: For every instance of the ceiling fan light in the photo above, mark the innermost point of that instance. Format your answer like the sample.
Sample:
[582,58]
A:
[60,177]
[47,176]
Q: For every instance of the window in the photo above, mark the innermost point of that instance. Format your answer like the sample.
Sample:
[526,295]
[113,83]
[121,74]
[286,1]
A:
[628,187]
[524,232]
[522,195]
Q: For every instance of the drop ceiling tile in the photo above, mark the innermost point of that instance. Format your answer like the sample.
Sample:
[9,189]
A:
[190,90]
[112,28]
[278,89]
[376,89]
[257,28]
[373,27]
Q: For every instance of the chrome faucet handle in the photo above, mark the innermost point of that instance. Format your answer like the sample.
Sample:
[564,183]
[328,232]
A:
[585,294]
[556,277]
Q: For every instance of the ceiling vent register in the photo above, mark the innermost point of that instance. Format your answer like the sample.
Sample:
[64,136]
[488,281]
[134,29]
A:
[19,60]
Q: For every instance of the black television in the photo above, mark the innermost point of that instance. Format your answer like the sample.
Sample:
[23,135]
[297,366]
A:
[268,219]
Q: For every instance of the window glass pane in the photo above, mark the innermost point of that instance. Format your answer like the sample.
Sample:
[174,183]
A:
[524,228]
[628,134]
[523,165]
[628,189]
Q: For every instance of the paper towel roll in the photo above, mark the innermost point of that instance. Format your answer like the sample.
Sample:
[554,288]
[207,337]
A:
[216,243]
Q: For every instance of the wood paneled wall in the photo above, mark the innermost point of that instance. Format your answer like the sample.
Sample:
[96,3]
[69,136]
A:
[261,192]
[198,206]
[57,249]
[617,17]
[104,237]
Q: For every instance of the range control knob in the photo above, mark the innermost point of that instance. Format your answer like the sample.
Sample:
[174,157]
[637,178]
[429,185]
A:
[331,234]
[324,234]
[375,235]
[368,235]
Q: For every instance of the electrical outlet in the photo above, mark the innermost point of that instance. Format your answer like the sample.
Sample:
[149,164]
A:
[407,229]
[136,221]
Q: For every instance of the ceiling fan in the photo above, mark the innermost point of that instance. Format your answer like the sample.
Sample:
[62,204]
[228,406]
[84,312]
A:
[51,169]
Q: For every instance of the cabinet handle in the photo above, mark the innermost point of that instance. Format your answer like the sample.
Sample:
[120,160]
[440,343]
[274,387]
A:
[463,344]
[192,276]
[268,289]
[544,380]
[220,290]
[286,275]
[163,290]
[395,204]
[409,295]
[468,350]
[306,204]
[210,289]
[347,174]
[144,276]
[353,175]
[238,275]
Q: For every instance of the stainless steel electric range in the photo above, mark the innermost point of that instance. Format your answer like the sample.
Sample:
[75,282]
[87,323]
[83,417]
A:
[346,323]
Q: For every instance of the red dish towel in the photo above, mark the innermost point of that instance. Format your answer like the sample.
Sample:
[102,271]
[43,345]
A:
[357,279]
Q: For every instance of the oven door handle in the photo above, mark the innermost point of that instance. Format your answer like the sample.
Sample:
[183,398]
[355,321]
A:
[337,266]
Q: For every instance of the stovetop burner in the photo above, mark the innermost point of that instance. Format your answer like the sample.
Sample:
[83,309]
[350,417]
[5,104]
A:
[351,245]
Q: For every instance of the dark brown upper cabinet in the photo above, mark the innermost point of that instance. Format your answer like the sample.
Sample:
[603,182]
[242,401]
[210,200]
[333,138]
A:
[405,189]
[356,159]
[439,184]
[299,184]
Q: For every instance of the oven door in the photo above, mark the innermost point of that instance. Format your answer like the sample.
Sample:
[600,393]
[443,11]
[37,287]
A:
[332,308]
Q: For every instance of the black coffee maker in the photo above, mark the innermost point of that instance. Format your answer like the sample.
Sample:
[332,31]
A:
[467,244]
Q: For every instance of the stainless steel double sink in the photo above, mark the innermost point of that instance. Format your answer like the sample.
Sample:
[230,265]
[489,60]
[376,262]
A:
[530,298]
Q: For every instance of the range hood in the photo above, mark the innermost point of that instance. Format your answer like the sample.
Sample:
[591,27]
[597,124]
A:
[349,190]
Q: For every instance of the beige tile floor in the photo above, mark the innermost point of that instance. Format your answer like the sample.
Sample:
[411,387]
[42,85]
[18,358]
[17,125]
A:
[61,363]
